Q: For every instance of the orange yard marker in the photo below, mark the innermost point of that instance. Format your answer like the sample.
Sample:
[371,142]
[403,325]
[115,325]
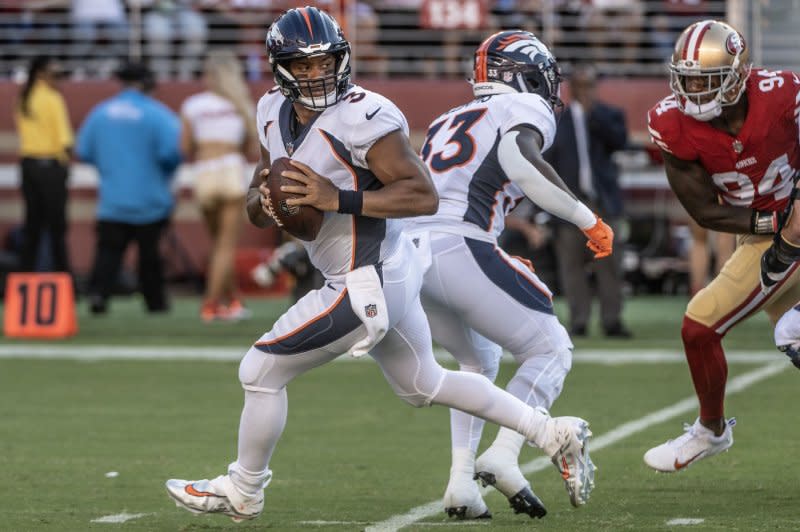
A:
[39,305]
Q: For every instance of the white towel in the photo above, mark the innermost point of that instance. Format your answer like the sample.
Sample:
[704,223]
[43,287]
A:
[366,298]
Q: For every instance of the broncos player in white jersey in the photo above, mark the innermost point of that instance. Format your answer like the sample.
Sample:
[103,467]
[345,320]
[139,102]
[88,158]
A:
[354,162]
[484,157]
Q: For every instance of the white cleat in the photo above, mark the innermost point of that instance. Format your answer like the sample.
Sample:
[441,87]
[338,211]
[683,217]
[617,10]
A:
[463,500]
[568,448]
[501,470]
[217,495]
[697,442]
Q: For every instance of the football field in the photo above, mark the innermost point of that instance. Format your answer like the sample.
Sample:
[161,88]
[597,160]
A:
[90,428]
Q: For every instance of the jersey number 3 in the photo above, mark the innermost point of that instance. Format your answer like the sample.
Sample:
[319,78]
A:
[460,137]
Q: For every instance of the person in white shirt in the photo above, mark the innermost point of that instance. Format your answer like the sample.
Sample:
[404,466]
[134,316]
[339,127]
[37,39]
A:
[355,163]
[217,134]
[485,157]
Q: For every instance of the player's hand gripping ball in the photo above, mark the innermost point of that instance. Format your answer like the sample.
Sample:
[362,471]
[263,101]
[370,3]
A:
[300,221]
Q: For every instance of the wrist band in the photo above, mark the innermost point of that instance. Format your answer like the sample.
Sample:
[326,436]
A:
[351,202]
[764,222]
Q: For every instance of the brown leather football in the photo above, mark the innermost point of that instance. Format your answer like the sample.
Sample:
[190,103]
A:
[302,222]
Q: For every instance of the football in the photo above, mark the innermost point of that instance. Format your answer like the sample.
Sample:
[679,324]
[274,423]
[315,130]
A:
[302,222]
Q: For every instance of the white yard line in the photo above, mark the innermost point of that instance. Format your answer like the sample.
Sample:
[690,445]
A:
[320,523]
[684,521]
[117,518]
[110,352]
[598,443]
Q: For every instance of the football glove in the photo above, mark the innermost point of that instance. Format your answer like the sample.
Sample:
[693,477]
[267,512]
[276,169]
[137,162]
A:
[601,239]
[776,262]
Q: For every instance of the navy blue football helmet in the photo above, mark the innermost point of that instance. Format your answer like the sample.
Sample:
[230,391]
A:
[307,32]
[516,61]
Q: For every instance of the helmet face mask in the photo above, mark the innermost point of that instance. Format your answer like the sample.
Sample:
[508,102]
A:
[302,38]
[709,69]
[516,61]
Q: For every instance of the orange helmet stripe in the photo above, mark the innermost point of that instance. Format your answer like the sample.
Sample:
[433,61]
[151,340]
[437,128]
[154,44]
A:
[511,38]
[480,73]
[304,12]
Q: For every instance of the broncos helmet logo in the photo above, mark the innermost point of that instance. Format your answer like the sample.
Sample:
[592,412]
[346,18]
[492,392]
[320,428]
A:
[523,45]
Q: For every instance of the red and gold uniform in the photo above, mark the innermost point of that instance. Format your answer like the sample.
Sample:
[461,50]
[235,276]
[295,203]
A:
[753,169]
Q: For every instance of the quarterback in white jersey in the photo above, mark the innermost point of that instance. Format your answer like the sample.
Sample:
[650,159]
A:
[484,157]
[354,162]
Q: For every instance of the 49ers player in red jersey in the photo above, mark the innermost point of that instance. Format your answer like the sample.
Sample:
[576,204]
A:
[729,136]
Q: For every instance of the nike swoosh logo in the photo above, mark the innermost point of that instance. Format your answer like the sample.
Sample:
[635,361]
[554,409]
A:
[678,465]
[373,113]
[191,491]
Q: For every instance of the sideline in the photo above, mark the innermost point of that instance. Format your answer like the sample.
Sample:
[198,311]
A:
[598,443]
[229,354]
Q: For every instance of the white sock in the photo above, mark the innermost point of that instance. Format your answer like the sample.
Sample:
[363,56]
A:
[476,395]
[508,442]
[249,483]
[466,429]
[463,462]
[260,427]
[533,427]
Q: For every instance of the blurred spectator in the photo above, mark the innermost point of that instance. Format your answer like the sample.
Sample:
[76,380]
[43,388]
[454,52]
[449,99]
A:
[588,134]
[27,23]
[528,235]
[661,37]
[708,248]
[99,36]
[45,137]
[166,21]
[218,133]
[247,21]
[614,30]
[133,141]
[667,18]
[369,58]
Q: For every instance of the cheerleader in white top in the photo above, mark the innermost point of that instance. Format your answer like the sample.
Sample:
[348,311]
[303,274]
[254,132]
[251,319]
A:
[217,135]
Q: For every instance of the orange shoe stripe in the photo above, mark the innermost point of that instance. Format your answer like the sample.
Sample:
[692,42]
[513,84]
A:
[678,465]
[191,491]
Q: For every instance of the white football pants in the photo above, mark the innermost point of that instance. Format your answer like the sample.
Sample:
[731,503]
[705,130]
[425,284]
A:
[479,299]
[321,326]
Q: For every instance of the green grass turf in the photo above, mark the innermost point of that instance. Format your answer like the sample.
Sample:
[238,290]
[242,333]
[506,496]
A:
[352,452]
[654,320]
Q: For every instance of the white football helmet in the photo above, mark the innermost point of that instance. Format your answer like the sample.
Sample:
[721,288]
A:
[709,68]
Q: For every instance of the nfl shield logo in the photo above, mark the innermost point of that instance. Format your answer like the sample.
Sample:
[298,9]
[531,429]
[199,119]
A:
[371,310]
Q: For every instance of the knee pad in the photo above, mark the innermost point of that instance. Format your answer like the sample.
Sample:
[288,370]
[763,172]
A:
[540,379]
[254,370]
[488,370]
[417,392]
[416,400]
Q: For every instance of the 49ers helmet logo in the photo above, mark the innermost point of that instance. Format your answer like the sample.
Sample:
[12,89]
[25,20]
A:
[734,44]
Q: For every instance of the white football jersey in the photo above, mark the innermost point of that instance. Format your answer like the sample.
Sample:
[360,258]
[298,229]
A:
[335,145]
[213,118]
[460,149]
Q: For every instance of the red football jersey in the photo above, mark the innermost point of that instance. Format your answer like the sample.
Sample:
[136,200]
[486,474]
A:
[754,168]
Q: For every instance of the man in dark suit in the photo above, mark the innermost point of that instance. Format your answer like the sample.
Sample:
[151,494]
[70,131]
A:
[589,132]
